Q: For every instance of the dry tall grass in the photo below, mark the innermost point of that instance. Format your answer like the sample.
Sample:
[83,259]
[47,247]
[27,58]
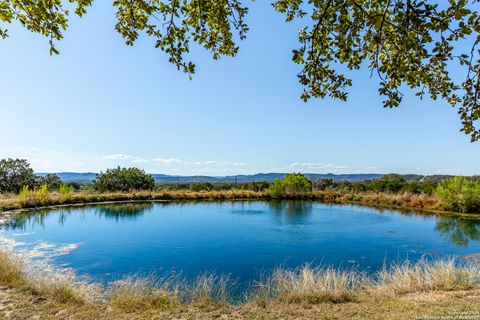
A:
[425,276]
[141,297]
[316,285]
[313,285]
[30,199]
[133,293]
[404,200]
[11,271]
[140,293]
[61,288]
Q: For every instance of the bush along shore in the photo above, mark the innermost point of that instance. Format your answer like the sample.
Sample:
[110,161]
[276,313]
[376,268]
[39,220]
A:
[404,291]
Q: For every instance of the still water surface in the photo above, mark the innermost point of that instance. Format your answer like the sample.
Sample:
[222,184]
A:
[243,239]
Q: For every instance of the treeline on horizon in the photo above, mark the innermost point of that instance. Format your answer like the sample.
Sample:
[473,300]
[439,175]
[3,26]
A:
[461,194]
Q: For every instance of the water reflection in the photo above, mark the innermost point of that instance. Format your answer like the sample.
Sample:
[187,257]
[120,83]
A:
[125,211]
[291,212]
[23,221]
[459,230]
[117,212]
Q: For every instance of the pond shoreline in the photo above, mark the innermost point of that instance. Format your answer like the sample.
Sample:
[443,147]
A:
[405,202]
[12,206]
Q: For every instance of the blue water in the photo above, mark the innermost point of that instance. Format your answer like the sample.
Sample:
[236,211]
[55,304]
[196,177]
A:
[242,239]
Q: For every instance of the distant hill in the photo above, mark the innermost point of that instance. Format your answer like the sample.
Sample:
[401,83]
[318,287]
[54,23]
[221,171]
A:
[74,176]
[268,177]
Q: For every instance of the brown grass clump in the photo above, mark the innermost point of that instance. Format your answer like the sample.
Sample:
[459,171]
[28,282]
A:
[133,294]
[61,291]
[321,285]
[11,272]
[150,292]
[312,285]
[60,288]
[425,276]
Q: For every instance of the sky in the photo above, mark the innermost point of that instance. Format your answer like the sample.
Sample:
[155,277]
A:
[100,104]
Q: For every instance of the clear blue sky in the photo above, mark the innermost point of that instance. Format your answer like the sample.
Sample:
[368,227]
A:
[100,104]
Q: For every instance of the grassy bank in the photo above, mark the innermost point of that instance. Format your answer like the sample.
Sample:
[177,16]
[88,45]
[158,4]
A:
[401,292]
[388,200]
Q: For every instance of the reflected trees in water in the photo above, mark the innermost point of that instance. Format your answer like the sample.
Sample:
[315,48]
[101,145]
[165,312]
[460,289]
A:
[459,230]
[125,211]
[117,212]
[292,212]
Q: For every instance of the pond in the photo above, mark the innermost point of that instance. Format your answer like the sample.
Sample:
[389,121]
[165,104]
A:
[243,239]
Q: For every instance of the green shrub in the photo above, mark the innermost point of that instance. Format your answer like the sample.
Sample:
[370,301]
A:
[123,179]
[388,183]
[277,189]
[324,184]
[297,183]
[207,186]
[417,187]
[23,195]
[41,194]
[460,194]
[358,187]
[217,186]
[293,185]
[65,190]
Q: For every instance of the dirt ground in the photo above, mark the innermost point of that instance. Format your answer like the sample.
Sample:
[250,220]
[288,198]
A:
[22,304]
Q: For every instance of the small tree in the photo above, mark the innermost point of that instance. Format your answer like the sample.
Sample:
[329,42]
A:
[123,179]
[460,194]
[15,174]
[293,185]
[297,183]
[51,180]
[389,182]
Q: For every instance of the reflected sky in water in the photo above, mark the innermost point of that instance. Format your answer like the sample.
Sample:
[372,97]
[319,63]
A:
[244,239]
